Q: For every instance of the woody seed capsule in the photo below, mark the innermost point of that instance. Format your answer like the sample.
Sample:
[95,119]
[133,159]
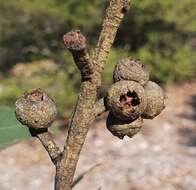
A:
[128,69]
[35,109]
[121,128]
[126,100]
[155,100]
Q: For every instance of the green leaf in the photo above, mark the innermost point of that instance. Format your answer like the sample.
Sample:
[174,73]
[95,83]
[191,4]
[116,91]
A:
[11,131]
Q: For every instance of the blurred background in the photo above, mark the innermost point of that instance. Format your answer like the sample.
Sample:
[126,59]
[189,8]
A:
[162,34]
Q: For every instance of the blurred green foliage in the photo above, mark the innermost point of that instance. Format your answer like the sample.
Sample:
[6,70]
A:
[162,34]
[41,74]
[159,33]
[33,29]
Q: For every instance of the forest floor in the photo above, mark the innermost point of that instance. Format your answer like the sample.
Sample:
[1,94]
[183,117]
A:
[161,157]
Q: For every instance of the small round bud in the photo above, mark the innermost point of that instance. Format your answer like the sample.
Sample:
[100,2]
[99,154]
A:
[128,69]
[126,100]
[35,109]
[155,100]
[122,128]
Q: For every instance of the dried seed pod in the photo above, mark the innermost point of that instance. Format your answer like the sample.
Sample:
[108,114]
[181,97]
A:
[155,100]
[128,69]
[121,128]
[35,109]
[126,100]
[74,40]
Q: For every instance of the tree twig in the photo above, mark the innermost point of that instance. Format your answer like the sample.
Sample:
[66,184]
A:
[111,23]
[47,141]
[76,43]
[82,116]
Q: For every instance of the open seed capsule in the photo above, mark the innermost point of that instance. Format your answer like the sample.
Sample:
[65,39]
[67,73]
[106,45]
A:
[126,100]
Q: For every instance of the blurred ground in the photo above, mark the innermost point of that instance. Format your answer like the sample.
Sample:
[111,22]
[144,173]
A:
[162,157]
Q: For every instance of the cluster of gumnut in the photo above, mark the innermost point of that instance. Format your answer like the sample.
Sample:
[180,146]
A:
[129,100]
[132,98]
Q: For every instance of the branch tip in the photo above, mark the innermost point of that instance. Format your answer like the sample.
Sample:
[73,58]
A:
[74,40]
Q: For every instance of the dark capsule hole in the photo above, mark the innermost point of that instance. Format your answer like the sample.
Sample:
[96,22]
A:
[135,99]
[130,99]
[123,98]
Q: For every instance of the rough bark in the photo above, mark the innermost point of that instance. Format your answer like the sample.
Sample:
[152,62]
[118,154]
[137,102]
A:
[82,115]
[114,15]
[126,100]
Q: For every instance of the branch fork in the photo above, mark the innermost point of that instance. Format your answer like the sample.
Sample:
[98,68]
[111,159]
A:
[87,107]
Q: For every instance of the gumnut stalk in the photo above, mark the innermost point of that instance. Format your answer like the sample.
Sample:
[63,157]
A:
[155,100]
[75,42]
[35,109]
[129,69]
[121,128]
[126,100]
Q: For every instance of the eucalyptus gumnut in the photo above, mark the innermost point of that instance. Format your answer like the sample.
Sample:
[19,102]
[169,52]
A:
[155,100]
[75,41]
[129,69]
[35,109]
[121,128]
[126,100]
